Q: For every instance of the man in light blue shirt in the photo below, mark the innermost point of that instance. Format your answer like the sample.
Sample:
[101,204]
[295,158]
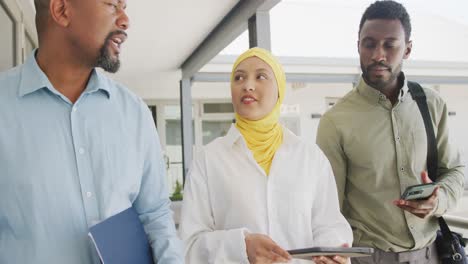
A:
[76,147]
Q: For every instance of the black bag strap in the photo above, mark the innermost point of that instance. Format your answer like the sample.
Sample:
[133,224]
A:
[420,97]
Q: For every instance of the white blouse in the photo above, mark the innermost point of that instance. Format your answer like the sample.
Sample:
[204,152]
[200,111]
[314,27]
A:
[228,193]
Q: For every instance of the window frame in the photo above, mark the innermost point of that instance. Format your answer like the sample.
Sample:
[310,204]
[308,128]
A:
[22,14]
[13,11]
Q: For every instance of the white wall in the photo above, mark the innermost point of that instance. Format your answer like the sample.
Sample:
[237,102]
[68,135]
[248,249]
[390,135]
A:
[456,97]
[311,99]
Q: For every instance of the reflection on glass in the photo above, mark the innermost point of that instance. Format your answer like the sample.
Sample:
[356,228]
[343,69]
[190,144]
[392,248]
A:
[173,132]
[173,150]
[217,108]
[214,129]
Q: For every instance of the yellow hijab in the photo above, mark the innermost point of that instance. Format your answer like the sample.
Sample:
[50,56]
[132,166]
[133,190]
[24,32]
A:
[264,136]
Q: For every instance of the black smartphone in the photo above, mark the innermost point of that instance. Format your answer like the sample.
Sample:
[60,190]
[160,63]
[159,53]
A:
[418,192]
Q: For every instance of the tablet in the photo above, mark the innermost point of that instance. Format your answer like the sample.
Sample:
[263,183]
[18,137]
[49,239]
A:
[352,252]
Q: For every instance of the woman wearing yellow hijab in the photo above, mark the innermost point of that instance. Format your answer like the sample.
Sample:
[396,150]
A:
[253,101]
[260,190]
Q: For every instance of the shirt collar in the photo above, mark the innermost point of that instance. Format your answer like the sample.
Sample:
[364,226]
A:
[233,135]
[98,82]
[375,95]
[33,79]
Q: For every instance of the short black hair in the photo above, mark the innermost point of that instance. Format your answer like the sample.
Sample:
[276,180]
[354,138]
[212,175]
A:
[388,9]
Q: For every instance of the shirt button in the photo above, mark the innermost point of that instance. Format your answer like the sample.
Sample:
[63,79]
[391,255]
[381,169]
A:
[402,169]
[75,108]
[81,151]
[411,227]
[398,138]
[89,194]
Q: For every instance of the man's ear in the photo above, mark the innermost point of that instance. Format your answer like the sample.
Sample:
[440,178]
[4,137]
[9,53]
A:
[358,42]
[409,47]
[59,12]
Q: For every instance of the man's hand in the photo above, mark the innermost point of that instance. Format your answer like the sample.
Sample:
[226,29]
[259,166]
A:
[420,208]
[262,249]
[331,259]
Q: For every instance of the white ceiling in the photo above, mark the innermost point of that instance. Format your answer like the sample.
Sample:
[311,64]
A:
[163,34]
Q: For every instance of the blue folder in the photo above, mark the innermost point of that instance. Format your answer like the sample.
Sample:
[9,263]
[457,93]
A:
[121,239]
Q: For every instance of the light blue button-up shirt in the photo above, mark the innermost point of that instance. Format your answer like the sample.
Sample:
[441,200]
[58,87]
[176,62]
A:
[64,167]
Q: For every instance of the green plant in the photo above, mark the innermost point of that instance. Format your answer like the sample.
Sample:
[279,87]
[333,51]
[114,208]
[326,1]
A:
[177,194]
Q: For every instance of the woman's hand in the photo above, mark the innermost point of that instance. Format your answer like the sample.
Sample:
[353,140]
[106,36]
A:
[262,249]
[331,259]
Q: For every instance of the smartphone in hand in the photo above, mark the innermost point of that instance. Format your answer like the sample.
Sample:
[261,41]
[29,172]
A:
[419,192]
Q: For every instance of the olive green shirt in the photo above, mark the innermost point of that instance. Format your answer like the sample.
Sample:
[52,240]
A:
[378,149]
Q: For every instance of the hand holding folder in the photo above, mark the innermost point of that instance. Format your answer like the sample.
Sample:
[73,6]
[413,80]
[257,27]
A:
[121,239]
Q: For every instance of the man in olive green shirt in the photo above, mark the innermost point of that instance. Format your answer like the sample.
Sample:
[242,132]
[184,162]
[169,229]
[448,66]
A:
[376,142]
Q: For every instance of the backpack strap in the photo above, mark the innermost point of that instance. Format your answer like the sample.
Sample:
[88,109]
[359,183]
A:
[420,97]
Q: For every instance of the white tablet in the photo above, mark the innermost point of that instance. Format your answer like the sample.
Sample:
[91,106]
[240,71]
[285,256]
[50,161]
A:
[352,252]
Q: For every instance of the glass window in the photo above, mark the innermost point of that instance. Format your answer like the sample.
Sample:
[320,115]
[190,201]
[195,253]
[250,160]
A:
[173,124]
[215,108]
[173,150]
[214,129]
[173,132]
[7,47]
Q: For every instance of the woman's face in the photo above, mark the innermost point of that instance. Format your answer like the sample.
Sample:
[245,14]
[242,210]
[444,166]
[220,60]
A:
[254,89]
